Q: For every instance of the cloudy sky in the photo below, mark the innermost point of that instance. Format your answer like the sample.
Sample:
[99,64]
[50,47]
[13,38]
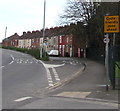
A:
[27,15]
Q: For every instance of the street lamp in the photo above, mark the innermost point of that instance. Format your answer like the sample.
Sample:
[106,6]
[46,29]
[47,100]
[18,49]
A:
[5,31]
[42,51]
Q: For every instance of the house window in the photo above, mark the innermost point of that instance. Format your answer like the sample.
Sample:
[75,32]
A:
[60,39]
[37,40]
[32,40]
[67,39]
[54,40]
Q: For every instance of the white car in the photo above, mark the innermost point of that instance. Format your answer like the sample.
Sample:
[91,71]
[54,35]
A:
[53,53]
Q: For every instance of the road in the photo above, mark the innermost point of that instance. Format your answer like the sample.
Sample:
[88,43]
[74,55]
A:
[31,84]
[21,77]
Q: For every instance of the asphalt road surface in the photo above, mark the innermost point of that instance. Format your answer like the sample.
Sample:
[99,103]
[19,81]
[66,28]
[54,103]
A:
[22,76]
[31,84]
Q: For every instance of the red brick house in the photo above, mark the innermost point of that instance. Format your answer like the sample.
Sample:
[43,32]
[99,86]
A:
[65,45]
[11,41]
[35,39]
[59,38]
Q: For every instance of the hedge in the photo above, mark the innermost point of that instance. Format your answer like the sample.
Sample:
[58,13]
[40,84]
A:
[33,52]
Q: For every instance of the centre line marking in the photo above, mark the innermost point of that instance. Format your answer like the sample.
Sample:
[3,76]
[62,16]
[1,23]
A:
[22,99]
[56,74]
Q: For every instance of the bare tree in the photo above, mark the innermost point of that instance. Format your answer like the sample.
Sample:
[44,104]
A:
[78,11]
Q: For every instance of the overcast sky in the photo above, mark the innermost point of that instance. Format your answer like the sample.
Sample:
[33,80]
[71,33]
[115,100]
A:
[27,15]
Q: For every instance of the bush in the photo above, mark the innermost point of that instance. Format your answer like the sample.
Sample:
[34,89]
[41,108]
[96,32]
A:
[33,52]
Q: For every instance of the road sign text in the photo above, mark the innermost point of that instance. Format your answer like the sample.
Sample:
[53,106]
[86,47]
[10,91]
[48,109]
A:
[111,24]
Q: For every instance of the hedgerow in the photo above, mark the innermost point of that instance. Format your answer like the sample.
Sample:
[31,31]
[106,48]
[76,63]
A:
[33,52]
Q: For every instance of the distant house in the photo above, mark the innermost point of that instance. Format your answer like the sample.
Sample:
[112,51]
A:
[0,45]
[24,41]
[11,41]
[58,38]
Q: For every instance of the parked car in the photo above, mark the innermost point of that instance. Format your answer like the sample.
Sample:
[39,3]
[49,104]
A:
[53,53]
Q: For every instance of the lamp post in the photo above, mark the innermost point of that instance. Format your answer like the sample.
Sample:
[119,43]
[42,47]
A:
[42,50]
[5,31]
[44,20]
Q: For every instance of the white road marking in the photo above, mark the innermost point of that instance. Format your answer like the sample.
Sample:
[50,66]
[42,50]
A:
[2,66]
[21,61]
[22,99]
[102,85]
[11,62]
[50,82]
[25,62]
[49,77]
[56,74]
[12,59]
[51,65]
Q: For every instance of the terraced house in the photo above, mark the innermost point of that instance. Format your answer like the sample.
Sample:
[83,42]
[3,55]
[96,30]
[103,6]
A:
[11,41]
[58,38]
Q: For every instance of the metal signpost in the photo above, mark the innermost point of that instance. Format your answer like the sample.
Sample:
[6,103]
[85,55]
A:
[111,25]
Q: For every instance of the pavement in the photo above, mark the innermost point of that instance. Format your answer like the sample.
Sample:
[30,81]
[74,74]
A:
[100,93]
[95,83]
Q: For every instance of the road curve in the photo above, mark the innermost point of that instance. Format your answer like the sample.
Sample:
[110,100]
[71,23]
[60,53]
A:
[22,76]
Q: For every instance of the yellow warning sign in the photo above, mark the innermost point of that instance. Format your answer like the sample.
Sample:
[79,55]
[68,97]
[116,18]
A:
[111,24]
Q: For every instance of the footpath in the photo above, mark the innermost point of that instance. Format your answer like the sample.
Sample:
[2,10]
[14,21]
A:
[96,78]
[92,79]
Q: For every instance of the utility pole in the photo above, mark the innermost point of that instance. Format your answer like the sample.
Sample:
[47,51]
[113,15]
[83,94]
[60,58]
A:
[5,35]
[44,20]
[5,31]
[42,50]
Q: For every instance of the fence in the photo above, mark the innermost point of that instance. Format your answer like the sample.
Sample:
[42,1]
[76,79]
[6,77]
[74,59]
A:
[95,53]
[114,66]
[98,54]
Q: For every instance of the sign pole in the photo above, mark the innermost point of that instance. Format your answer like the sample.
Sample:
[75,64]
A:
[111,25]
[114,39]
[113,57]
[107,62]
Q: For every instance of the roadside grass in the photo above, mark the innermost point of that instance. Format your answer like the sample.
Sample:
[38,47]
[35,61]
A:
[117,69]
[33,52]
